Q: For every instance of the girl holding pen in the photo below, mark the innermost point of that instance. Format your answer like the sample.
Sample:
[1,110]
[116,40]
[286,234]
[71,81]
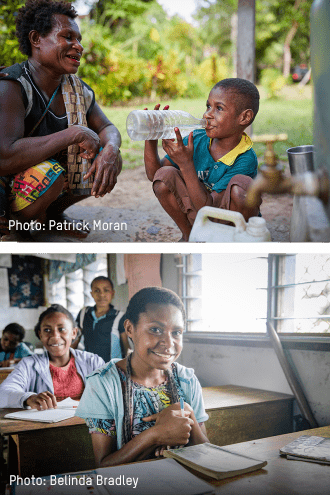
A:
[136,406]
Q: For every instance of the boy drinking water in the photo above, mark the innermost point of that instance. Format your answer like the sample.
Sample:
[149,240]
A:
[212,166]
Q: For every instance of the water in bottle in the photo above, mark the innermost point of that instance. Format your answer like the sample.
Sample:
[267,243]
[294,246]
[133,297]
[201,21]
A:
[145,125]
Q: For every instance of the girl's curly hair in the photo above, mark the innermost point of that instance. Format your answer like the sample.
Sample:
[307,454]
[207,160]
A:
[37,15]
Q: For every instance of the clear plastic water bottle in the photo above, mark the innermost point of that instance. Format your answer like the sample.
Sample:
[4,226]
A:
[145,125]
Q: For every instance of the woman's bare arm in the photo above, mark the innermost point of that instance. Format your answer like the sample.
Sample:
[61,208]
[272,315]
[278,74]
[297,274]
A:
[18,153]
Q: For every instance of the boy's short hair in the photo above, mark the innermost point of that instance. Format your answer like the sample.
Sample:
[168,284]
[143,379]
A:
[102,277]
[247,94]
[15,329]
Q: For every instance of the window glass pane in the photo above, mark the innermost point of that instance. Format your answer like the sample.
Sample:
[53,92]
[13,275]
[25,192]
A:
[233,293]
[308,278]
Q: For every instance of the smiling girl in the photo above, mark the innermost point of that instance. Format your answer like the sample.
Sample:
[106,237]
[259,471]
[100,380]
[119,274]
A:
[39,381]
[131,406]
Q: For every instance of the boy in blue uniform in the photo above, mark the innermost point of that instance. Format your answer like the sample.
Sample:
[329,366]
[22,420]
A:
[12,349]
[211,167]
[102,325]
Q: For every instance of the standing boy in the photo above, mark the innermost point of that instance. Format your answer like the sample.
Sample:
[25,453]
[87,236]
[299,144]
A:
[211,167]
[102,325]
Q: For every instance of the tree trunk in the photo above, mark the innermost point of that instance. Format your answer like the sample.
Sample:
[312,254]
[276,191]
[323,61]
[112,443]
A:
[287,50]
[288,40]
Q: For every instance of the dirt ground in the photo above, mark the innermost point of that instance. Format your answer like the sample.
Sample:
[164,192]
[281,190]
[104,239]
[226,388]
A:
[132,203]
[132,213]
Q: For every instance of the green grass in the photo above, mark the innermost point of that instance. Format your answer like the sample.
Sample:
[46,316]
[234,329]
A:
[290,116]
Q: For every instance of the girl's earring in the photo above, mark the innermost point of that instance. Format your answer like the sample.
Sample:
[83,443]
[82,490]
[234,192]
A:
[131,343]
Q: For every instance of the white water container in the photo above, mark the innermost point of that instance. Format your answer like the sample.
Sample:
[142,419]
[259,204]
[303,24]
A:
[145,125]
[204,230]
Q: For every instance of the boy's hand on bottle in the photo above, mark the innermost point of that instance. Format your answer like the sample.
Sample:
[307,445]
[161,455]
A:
[181,155]
[157,107]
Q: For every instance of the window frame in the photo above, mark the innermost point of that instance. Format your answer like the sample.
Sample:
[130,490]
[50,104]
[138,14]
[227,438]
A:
[303,341]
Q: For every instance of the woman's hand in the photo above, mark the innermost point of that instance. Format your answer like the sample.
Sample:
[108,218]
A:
[42,401]
[106,166]
[2,74]
[87,140]
[172,428]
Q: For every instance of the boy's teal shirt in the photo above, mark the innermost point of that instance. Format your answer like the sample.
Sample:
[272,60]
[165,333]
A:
[217,174]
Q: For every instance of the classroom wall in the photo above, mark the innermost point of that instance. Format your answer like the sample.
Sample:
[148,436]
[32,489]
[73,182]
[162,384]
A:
[259,368]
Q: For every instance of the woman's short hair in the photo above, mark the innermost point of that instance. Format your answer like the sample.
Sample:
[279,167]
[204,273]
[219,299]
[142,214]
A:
[54,308]
[15,329]
[37,15]
[152,295]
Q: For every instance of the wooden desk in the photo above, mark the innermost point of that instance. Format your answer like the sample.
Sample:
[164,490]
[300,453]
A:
[280,476]
[238,414]
[41,449]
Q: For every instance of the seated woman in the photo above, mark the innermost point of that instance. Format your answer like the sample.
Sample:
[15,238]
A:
[12,347]
[52,125]
[39,381]
[132,405]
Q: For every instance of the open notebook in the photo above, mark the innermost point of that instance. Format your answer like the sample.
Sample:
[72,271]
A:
[65,409]
[216,462]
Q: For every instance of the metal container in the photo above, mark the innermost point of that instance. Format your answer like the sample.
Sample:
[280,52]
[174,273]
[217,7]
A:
[301,159]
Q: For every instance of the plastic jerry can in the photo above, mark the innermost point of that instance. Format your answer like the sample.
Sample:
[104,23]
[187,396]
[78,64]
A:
[255,230]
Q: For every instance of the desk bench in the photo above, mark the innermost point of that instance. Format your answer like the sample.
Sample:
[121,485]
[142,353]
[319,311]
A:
[239,414]
[41,449]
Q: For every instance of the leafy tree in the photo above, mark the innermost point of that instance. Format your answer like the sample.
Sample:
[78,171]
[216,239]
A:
[216,24]
[282,33]
[117,14]
[9,51]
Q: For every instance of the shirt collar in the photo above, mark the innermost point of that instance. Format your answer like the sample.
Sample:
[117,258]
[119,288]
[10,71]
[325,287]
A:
[244,145]
[95,318]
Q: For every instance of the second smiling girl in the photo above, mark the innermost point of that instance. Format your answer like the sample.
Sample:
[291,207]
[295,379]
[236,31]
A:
[131,405]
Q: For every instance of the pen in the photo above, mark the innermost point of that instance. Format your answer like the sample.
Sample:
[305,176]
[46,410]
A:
[182,406]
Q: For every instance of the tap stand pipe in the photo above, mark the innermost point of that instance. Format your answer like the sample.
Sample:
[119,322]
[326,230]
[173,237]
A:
[291,377]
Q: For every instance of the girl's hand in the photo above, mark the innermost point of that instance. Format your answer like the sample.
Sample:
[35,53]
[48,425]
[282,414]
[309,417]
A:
[181,155]
[6,364]
[106,166]
[42,401]
[159,452]
[172,428]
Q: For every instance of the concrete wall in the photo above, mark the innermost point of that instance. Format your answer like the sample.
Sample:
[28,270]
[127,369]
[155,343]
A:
[259,368]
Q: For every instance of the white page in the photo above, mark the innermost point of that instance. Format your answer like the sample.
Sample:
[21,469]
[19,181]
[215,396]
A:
[47,416]
[68,403]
